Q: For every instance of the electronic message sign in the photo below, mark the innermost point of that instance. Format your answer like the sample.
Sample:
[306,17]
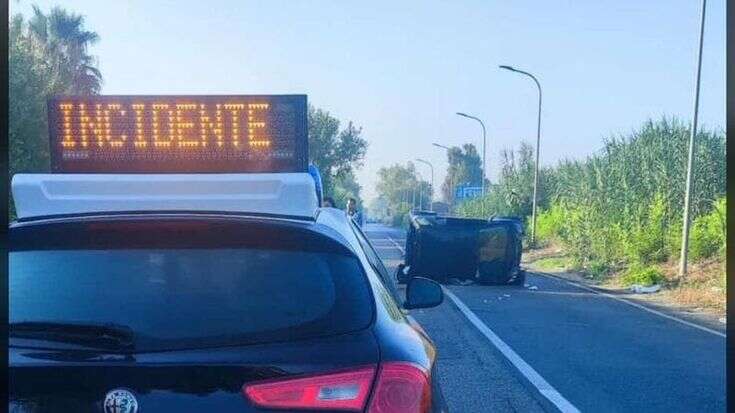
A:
[178,134]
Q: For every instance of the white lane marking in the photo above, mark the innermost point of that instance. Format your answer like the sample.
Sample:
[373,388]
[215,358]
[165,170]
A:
[642,307]
[397,245]
[536,380]
[384,247]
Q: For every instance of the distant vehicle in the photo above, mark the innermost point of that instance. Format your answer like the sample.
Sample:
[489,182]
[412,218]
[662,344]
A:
[205,292]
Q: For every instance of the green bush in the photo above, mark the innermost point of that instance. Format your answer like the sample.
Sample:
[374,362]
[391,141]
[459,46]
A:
[550,224]
[623,205]
[598,269]
[673,237]
[585,232]
[642,275]
[707,235]
[645,242]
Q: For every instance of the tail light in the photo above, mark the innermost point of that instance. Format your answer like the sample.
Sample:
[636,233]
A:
[346,391]
[401,387]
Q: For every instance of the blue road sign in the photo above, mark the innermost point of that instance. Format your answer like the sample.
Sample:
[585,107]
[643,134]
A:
[468,192]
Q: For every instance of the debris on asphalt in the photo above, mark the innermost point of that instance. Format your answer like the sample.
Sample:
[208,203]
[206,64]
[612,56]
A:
[639,289]
[526,285]
[506,295]
[533,287]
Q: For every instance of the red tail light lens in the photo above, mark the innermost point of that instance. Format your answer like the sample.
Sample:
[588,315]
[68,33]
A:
[347,391]
[401,388]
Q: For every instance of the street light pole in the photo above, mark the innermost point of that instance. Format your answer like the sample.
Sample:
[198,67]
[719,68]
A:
[421,197]
[431,207]
[484,165]
[690,163]
[538,150]
[421,192]
[451,179]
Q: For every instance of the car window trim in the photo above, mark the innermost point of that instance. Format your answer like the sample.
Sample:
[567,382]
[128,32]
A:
[372,256]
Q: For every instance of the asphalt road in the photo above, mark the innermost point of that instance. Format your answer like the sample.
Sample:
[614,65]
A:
[583,350]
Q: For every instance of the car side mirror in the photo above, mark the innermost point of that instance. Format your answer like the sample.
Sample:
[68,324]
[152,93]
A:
[423,293]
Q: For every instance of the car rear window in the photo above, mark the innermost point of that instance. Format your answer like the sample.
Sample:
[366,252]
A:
[195,297]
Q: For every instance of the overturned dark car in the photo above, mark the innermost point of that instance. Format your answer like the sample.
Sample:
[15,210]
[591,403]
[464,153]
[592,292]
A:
[444,247]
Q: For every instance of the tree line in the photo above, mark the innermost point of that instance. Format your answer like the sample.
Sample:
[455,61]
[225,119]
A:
[49,54]
[400,188]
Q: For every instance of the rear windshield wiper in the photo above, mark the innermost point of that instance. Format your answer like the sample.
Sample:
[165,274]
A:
[107,335]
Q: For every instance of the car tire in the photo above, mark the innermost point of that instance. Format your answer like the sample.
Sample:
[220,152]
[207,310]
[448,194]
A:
[401,277]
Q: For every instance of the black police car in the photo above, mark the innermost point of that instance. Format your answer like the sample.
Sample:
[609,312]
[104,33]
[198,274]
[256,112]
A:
[194,292]
[206,312]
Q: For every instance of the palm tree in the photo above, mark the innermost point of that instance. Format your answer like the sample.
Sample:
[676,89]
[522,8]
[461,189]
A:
[63,38]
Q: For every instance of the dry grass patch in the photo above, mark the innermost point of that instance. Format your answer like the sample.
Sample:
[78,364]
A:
[697,298]
[704,287]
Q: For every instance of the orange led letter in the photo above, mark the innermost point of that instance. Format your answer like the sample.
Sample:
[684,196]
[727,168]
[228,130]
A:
[184,126]
[235,109]
[159,139]
[68,141]
[140,141]
[87,125]
[257,136]
[115,109]
[206,125]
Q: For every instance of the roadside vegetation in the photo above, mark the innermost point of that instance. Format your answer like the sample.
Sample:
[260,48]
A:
[337,152]
[48,55]
[401,189]
[617,215]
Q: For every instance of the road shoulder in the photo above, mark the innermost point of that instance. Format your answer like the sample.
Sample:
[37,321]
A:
[466,361]
[654,302]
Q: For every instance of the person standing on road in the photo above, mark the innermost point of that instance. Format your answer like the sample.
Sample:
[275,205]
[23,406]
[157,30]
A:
[353,212]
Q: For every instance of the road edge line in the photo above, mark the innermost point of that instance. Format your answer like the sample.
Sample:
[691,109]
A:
[532,376]
[397,245]
[639,306]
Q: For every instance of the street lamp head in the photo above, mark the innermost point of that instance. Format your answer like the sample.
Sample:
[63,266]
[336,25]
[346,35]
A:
[463,114]
[506,67]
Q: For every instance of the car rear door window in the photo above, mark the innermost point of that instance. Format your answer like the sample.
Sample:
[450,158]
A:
[193,297]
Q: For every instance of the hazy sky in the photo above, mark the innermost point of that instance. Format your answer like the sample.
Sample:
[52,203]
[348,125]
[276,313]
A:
[401,69]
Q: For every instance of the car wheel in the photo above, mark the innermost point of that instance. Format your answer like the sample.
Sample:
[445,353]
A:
[401,277]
